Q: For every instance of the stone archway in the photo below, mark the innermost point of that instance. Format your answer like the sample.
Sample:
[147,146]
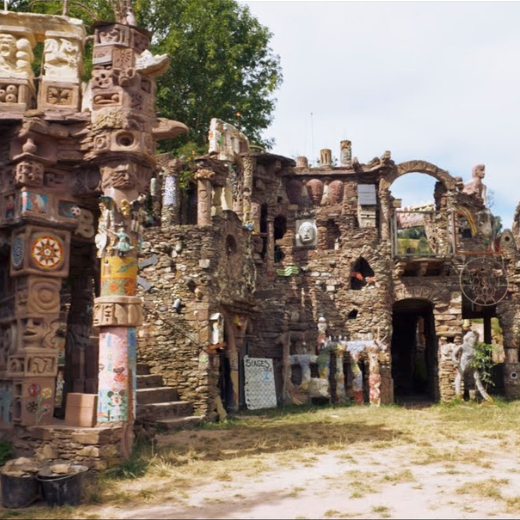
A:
[402,169]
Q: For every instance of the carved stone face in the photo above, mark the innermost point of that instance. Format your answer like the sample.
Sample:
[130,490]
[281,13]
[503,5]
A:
[307,233]
[112,35]
[7,46]
[33,330]
[121,176]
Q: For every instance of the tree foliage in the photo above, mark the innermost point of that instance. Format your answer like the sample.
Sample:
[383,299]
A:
[221,62]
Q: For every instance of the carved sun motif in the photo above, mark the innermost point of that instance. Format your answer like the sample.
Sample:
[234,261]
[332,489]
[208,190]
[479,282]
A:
[47,252]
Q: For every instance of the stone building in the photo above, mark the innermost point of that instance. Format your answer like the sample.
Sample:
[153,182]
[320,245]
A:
[316,269]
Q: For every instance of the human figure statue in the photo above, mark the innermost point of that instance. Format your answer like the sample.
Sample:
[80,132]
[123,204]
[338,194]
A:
[462,357]
[475,186]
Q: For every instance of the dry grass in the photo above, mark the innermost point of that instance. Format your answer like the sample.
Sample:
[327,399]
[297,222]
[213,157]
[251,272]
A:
[251,446]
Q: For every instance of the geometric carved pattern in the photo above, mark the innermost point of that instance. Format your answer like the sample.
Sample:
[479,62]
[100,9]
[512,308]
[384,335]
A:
[47,252]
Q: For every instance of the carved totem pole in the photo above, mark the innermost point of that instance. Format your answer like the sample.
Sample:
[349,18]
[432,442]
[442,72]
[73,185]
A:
[123,122]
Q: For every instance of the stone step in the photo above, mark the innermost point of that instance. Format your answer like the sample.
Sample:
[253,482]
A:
[142,369]
[150,381]
[179,423]
[158,411]
[165,394]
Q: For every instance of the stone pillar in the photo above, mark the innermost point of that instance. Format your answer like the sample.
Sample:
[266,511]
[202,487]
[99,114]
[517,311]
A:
[326,157]
[302,162]
[124,149]
[270,244]
[256,211]
[346,154]
[204,193]
[341,395]
[39,261]
[384,201]
[247,188]
[233,365]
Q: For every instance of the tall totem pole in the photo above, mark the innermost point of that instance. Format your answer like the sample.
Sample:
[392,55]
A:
[124,131]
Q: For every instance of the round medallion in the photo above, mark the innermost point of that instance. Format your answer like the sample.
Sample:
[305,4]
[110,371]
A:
[18,251]
[483,280]
[47,252]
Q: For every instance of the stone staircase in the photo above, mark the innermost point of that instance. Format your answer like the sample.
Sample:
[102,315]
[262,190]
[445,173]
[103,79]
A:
[159,405]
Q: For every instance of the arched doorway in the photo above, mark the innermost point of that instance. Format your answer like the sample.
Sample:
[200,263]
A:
[414,351]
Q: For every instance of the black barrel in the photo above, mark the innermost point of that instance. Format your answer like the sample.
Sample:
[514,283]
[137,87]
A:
[19,491]
[60,490]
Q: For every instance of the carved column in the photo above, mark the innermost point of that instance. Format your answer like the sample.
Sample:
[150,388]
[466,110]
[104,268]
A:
[204,193]
[249,169]
[123,116]
[384,201]
[270,245]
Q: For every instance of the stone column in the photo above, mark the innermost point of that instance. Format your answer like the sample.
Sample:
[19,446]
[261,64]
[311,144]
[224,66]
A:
[233,365]
[326,157]
[384,201]
[249,169]
[270,245]
[39,261]
[346,154]
[204,193]
[341,395]
[117,312]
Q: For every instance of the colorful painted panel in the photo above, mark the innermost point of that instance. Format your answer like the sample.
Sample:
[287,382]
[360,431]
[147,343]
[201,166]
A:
[259,385]
[9,207]
[34,202]
[6,404]
[118,276]
[114,346]
[68,209]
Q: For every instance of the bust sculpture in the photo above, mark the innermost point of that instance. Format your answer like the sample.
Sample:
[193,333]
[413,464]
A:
[475,186]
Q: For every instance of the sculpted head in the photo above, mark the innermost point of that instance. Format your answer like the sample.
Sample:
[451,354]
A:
[307,232]
[7,46]
[479,171]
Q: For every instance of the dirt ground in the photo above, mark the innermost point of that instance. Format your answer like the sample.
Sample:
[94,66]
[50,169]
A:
[397,486]
[440,462]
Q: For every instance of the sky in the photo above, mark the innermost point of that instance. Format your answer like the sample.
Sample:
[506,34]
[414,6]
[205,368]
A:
[434,81]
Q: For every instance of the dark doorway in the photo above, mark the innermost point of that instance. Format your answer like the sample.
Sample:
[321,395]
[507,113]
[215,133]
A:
[414,351]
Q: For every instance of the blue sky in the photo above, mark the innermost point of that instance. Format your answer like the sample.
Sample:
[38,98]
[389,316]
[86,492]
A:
[437,81]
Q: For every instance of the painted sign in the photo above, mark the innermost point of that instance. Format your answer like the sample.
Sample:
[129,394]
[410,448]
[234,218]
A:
[260,391]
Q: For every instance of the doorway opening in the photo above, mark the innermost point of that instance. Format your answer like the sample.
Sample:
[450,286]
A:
[414,352]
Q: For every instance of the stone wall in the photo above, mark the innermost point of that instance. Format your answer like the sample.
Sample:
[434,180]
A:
[96,448]
[210,270]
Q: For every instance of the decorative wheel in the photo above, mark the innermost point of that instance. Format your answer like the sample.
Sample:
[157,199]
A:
[47,252]
[483,280]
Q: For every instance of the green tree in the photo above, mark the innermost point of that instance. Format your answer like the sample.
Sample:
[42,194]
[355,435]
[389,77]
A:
[221,62]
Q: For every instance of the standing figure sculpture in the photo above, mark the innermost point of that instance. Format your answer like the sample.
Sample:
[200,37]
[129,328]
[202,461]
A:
[475,186]
[463,357]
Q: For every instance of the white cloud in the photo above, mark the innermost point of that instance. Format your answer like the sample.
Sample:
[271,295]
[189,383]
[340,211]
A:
[438,81]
